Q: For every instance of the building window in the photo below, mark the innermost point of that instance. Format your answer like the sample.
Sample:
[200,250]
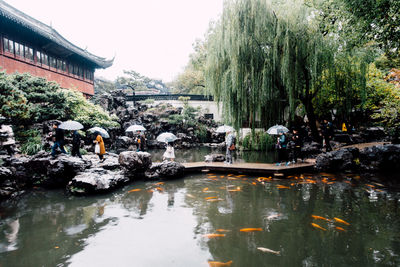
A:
[29,53]
[53,62]
[19,49]
[61,65]
[8,45]
[45,59]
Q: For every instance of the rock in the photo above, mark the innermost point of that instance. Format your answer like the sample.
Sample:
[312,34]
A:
[214,158]
[134,163]
[8,185]
[110,161]
[373,134]
[44,170]
[5,174]
[383,158]
[310,149]
[165,169]
[97,180]
[339,160]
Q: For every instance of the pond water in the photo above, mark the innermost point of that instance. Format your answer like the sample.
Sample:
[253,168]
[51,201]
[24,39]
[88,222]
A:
[169,224]
[199,153]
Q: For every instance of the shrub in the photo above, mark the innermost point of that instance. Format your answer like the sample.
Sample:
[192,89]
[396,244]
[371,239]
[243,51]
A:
[259,141]
[201,133]
[175,119]
[31,141]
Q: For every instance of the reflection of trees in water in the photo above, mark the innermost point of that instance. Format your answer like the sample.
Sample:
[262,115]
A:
[289,228]
[49,221]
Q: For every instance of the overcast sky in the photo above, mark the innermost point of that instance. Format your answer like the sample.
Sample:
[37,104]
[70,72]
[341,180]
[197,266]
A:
[152,37]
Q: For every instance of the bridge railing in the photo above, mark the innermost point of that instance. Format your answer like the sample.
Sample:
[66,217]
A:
[168,97]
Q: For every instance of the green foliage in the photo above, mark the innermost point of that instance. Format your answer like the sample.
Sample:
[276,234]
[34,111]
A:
[85,112]
[175,119]
[27,99]
[201,133]
[191,80]
[149,101]
[31,141]
[13,103]
[262,58]
[137,82]
[259,141]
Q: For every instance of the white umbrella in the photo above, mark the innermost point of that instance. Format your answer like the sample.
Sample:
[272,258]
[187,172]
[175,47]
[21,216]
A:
[224,129]
[101,131]
[277,129]
[166,137]
[70,125]
[134,128]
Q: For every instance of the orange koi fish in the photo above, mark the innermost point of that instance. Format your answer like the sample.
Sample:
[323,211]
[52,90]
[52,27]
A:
[210,174]
[222,230]
[241,175]
[134,190]
[340,221]
[340,229]
[254,183]
[222,176]
[159,189]
[160,183]
[378,184]
[370,185]
[213,176]
[235,190]
[320,218]
[150,190]
[317,226]
[205,189]
[251,230]
[219,264]
[214,235]
[232,178]
[207,198]
[282,187]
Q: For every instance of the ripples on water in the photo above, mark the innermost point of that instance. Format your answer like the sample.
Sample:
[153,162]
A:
[167,224]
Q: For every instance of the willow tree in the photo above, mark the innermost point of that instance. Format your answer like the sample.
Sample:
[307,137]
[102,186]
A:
[263,57]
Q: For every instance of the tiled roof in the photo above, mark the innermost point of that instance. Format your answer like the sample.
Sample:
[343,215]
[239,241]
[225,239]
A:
[49,33]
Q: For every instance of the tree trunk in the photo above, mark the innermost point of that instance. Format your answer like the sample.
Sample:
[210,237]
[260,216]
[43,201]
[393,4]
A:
[307,102]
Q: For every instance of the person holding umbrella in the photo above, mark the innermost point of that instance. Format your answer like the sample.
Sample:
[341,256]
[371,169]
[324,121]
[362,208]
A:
[76,144]
[281,145]
[58,140]
[230,146]
[100,149]
[169,151]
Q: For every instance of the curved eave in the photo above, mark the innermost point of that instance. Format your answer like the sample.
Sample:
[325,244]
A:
[49,33]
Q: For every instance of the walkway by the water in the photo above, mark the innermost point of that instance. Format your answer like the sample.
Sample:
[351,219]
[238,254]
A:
[250,168]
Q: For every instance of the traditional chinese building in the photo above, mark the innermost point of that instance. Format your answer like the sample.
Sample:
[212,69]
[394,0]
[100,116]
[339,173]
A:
[28,45]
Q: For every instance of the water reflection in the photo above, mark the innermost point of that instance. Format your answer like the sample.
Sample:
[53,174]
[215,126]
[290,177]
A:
[168,224]
[198,154]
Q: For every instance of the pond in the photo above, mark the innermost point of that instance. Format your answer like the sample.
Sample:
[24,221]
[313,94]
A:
[197,219]
[199,153]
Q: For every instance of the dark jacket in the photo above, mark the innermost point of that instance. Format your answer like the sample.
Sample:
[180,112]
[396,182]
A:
[60,135]
[76,139]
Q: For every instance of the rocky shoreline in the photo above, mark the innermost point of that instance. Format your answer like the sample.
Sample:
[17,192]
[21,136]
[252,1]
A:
[90,176]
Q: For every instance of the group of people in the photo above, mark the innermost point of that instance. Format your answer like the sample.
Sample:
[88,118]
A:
[59,143]
[289,145]
[289,148]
